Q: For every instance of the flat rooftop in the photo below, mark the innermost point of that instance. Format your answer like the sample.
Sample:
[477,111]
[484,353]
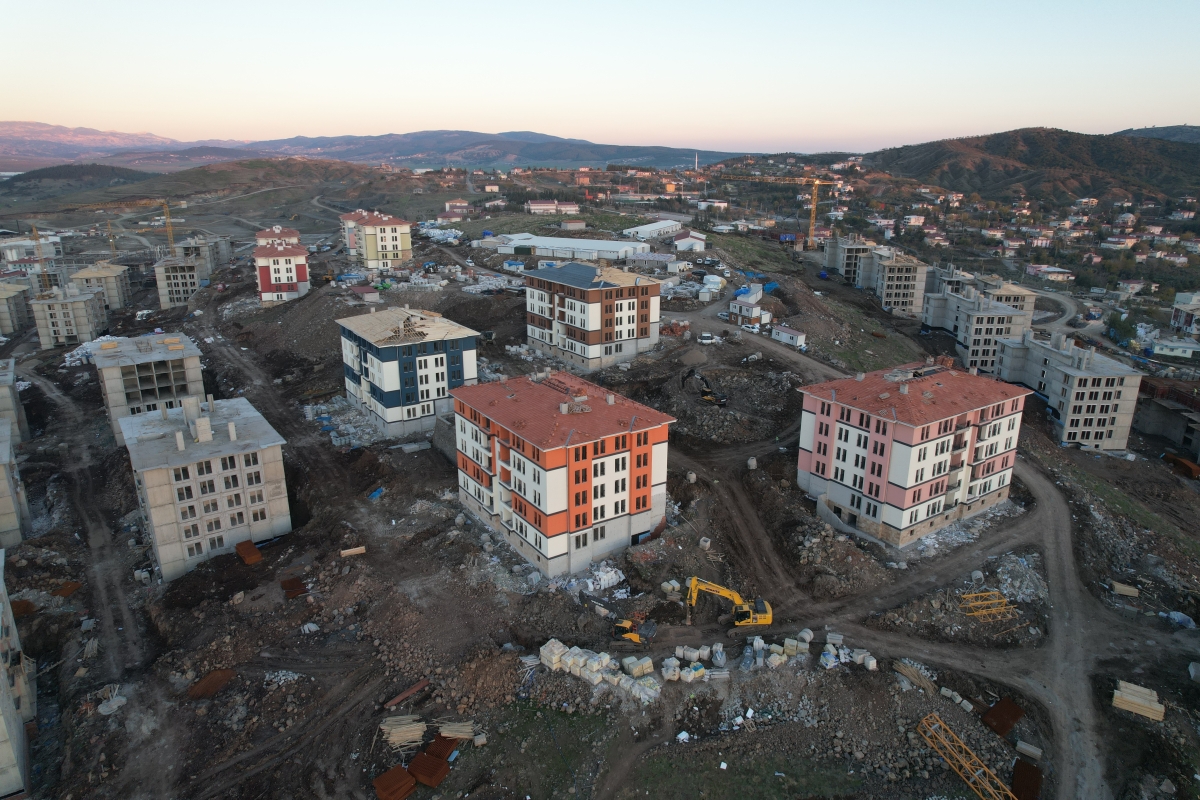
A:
[101,269]
[150,439]
[564,243]
[532,410]
[394,326]
[1098,365]
[126,352]
[932,393]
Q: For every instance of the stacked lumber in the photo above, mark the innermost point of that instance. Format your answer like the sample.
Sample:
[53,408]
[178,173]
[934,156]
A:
[1138,700]
[403,731]
[457,730]
[914,675]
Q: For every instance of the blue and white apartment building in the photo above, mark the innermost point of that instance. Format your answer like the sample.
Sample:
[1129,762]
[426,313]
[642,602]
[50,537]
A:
[401,364]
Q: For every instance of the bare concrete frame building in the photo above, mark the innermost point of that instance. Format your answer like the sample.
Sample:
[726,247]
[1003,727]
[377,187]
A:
[10,399]
[69,316]
[18,702]
[208,476]
[14,506]
[178,279]
[111,279]
[15,312]
[139,375]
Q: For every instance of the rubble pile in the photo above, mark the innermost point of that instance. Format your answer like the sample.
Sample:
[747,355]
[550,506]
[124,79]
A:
[831,563]
[937,615]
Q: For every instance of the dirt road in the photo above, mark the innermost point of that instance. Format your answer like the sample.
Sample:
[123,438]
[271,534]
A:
[122,648]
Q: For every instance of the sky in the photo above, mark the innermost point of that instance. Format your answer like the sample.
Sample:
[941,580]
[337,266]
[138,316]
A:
[746,76]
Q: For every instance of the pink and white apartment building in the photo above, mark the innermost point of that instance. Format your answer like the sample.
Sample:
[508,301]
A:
[898,454]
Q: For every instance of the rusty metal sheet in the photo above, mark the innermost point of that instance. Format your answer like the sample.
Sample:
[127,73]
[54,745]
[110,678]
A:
[1026,780]
[1003,716]
[407,693]
[210,684]
[67,588]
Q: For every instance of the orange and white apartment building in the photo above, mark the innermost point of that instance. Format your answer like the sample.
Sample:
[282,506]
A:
[569,472]
[277,234]
[376,240]
[898,454]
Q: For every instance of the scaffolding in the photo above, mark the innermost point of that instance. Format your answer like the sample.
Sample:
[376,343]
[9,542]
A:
[962,760]
[987,606]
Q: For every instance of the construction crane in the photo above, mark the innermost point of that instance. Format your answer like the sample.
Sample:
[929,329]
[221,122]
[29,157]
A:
[167,225]
[756,613]
[811,242]
[962,760]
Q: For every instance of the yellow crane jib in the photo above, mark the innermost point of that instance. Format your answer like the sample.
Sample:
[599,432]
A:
[962,760]
[756,613]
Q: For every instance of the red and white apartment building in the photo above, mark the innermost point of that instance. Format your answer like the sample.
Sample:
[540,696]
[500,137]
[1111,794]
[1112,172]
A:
[569,472]
[281,265]
[898,454]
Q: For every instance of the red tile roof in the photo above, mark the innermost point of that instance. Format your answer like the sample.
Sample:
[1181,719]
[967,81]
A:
[278,232]
[372,218]
[532,410]
[280,251]
[934,394]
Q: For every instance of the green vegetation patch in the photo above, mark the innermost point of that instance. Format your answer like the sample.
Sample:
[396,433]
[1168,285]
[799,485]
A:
[688,773]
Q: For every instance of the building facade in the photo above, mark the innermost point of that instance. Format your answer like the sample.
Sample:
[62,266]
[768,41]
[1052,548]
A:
[901,453]
[141,375]
[591,316]
[208,476]
[282,272]
[654,230]
[210,252]
[400,365]
[378,241]
[744,308]
[10,400]
[14,505]
[111,279]
[850,257]
[1091,397]
[69,316]
[18,702]
[569,473]
[1185,314]
[178,279]
[899,280]
[1170,408]
[15,311]
[976,323]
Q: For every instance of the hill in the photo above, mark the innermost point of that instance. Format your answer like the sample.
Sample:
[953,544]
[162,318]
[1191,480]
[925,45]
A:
[473,149]
[1046,162]
[1171,133]
[66,179]
[28,145]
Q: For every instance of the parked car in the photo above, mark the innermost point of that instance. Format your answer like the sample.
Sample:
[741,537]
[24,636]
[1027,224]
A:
[724,315]
[751,328]
[706,338]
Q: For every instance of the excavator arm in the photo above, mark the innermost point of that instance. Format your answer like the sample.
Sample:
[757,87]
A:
[756,613]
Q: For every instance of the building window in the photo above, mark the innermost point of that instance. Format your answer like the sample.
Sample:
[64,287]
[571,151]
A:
[216,542]
[253,478]
[204,468]
[181,474]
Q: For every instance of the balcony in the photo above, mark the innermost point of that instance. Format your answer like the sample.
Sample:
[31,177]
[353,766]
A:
[959,446]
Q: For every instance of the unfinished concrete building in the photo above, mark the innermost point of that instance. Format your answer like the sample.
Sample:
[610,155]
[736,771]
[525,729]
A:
[1091,397]
[899,280]
[14,506]
[18,702]
[140,375]
[178,279]
[49,274]
[111,279]
[10,398]
[211,252]
[208,476]
[1171,409]
[69,316]
[15,312]
[976,324]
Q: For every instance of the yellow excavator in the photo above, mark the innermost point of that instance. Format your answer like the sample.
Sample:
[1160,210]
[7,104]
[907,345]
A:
[756,613]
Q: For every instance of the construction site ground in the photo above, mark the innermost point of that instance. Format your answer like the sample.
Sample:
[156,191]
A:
[437,597]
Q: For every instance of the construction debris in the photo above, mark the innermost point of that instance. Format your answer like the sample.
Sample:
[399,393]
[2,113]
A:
[915,676]
[962,760]
[988,606]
